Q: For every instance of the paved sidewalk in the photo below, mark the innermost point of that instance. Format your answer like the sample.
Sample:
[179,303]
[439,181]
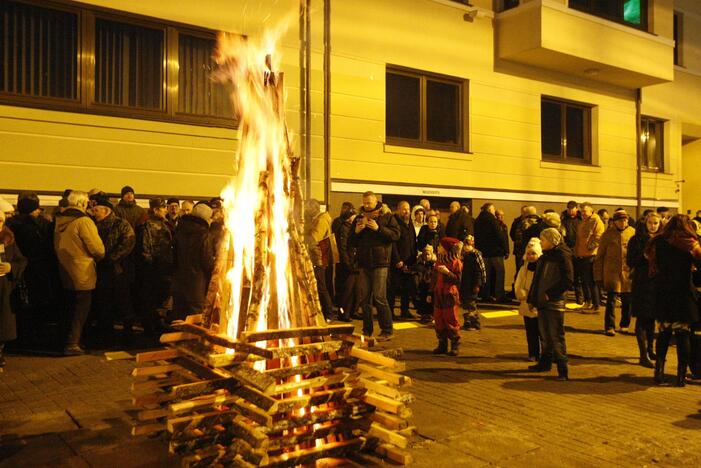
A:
[481,408]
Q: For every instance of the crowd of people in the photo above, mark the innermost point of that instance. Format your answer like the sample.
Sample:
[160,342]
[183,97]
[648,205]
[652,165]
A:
[90,263]
[650,266]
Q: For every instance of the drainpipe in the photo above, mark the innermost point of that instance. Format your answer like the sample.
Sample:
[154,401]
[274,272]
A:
[327,102]
[639,153]
[305,57]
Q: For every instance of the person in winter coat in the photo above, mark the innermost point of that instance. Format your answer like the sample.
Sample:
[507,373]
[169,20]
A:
[341,270]
[194,261]
[460,223]
[587,239]
[569,219]
[424,284]
[403,261]
[490,239]
[317,236]
[128,209]
[522,286]
[12,265]
[474,276]
[78,247]
[516,234]
[349,291]
[429,234]
[372,234]
[418,218]
[553,277]
[446,296]
[611,271]
[112,297]
[671,256]
[34,236]
[642,294]
[154,264]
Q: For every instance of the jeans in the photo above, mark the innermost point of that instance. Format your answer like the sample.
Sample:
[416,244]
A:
[78,309]
[610,315]
[532,336]
[373,283]
[551,323]
[402,284]
[584,274]
[324,296]
[495,277]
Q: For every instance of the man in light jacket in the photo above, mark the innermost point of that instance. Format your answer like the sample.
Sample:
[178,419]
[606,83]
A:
[78,246]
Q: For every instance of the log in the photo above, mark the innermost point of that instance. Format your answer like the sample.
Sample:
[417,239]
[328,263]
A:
[394,454]
[299,457]
[390,421]
[384,403]
[300,332]
[311,349]
[388,436]
[251,377]
[222,340]
[391,377]
[190,390]
[378,359]
[315,382]
[394,353]
[176,336]
[154,370]
[351,408]
[160,355]
[319,398]
[311,368]
[386,390]
[312,433]
[206,355]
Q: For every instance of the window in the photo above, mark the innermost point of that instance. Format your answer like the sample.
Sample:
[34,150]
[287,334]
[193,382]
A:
[507,4]
[678,34]
[565,130]
[38,51]
[630,12]
[424,110]
[652,139]
[95,60]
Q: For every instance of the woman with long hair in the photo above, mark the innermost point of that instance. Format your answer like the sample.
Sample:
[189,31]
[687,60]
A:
[671,256]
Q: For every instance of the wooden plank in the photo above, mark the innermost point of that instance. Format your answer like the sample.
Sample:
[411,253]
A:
[394,454]
[160,355]
[195,319]
[190,390]
[391,377]
[150,385]
[146,415]
[249,410]
[384,403]
[222,340]
[251,377]
[351,408]
[301,332]
[390,421]
[144,429]
[311,368]
[177,336]
[302,456]
[388,436]
[310,349]
[319,398]
[206,355]
[154,370]
[386,390]
[315,382]
[378,359]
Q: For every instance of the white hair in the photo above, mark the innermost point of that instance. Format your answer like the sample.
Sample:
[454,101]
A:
[77,198]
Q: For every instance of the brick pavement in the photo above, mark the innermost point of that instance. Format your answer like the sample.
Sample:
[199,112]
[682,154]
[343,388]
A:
[478,409]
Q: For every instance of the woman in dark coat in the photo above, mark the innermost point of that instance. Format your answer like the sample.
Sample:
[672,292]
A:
[429,234]
[671,255]
[643,297]
[12,265]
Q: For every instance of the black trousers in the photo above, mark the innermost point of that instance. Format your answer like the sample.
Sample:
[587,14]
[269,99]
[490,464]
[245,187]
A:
[78,309]
[551,323]
[584,275]
[400,284]
[610,315]
[324,296]
[340,277]
[350,295]
[532,336]
[495,277]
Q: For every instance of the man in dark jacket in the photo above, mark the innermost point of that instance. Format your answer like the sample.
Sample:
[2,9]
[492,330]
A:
[349,292]
[34,237]
[490,240]
[403,260]
[128,209]
[570,218]
[154,264]
[194,261]
[373,234]
[112,291]
[339,224]
[516,233]
[460,224]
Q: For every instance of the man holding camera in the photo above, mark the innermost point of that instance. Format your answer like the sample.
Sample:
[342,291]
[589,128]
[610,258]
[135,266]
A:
[373,234]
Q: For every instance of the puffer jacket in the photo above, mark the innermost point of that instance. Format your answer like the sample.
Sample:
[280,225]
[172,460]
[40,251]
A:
[610,266]
[375,247]
[155,243]
[119,239]
[78,246]
[522,285]
[554,275]
[588,235]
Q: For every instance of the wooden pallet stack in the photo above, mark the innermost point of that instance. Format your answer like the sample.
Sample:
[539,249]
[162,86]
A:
[272,398]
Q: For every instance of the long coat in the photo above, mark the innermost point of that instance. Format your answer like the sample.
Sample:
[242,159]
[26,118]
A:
[78,246]
[194,263]
[588,235]
[642,285]
[675,295]
[610,265]
[13,256]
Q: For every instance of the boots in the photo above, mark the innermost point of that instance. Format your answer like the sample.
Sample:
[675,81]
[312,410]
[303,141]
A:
[643,349]
[467,321]
[544,365]
[662,346]
[683,348]
[454,344]
[442,347]
[562,373]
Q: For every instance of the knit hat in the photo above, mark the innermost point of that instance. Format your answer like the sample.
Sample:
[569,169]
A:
[5,206]
[551,219]
[156,202]
[449,242]
[103,200]
[27,205]
[551,235]
[172,201]
[202,210]
[126,189]
[620,214]
[533,246]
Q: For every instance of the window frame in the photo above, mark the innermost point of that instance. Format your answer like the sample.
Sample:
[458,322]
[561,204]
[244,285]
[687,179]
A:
[87,16]
[587,130]
[660,125]
[644,20]
[462,111]
[678,33]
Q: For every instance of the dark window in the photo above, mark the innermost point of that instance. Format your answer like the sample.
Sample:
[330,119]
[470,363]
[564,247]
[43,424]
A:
[565,131]
[424,110]
[678,34]
[200,93]
[652,139]
[630,12]
[508,4]
[38,51]
[128,65]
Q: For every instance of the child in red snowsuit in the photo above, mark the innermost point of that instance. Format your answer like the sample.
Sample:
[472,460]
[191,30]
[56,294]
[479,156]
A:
[446,296]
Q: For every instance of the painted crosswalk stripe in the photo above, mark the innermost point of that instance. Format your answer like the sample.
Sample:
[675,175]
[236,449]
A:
[499,313]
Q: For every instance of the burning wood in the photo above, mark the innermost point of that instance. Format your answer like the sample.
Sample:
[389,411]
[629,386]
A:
[259,378]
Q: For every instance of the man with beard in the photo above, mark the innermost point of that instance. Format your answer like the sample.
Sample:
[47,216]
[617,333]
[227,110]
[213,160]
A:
[403,261]
[112,292]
